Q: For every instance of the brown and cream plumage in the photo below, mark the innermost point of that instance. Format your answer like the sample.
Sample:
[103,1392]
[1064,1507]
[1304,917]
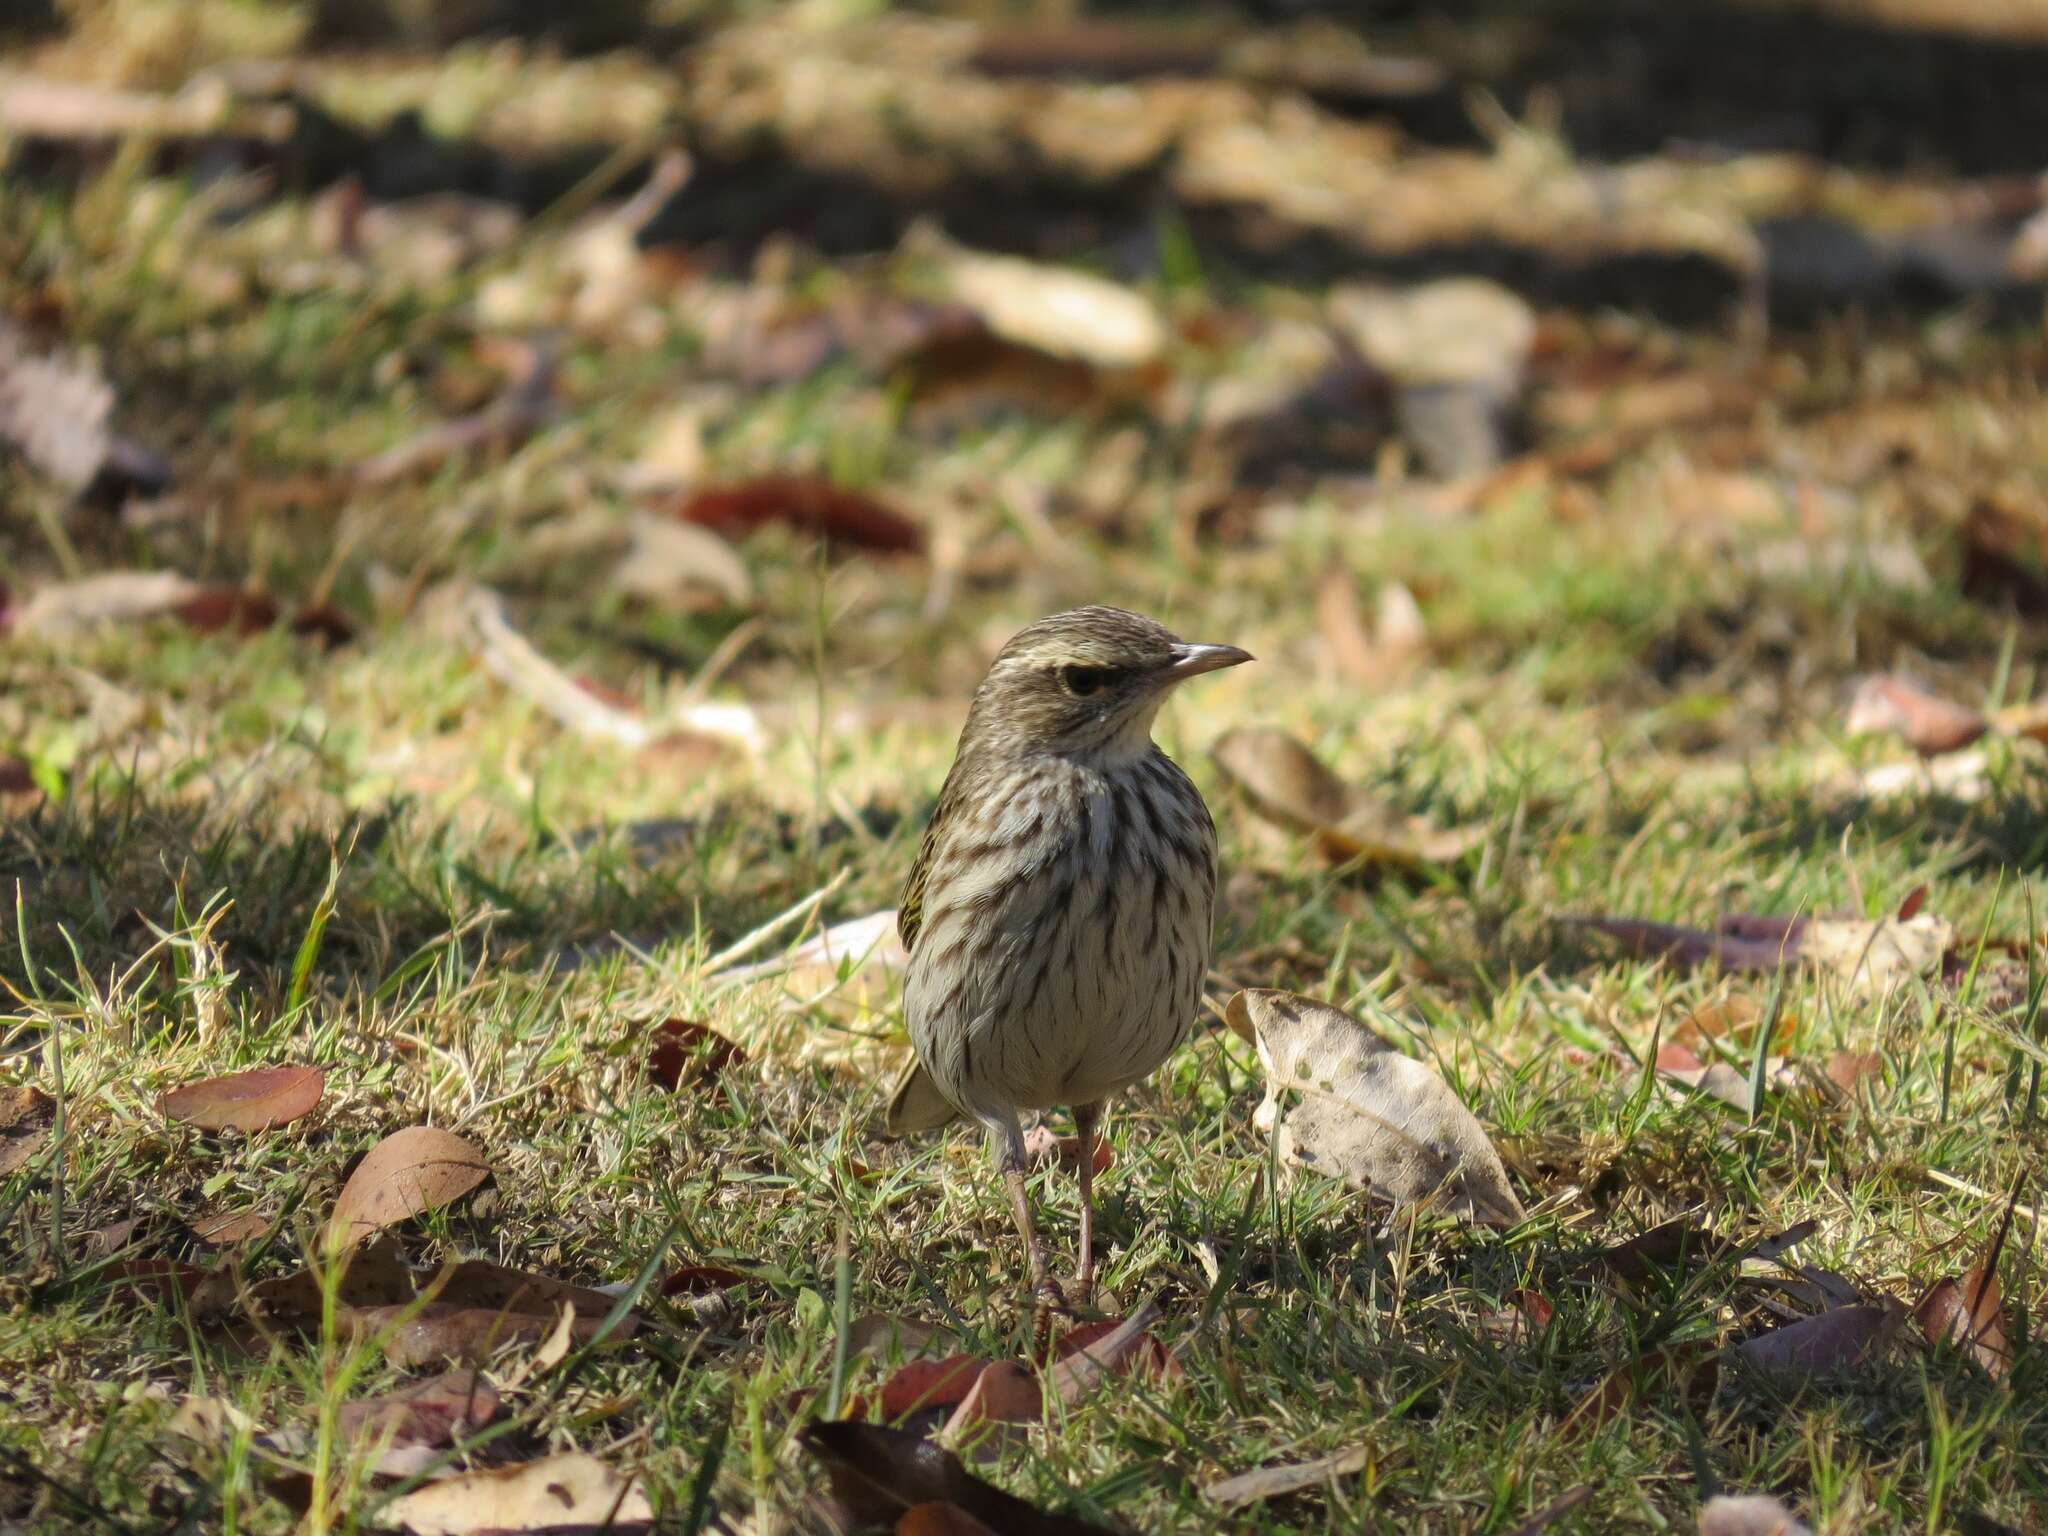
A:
[1058,914]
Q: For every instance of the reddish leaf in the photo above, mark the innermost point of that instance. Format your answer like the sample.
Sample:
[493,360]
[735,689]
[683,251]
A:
[232,1228]
[808,503]
[480,1283]
[926,1384]
[1819,1346]
[1041,1146]
[26,1115]
[1526,1314]
[938,1518]
[689,1053]
[701,1280]
[1080,1369]
[1966,1313]
[1004,1393]
[324,622]
[1930,724]
[16,777]
[157,1279]
[1682,1240]
[1848,1069]
[1910,907]
[232,608]
[257,1100]
[409,1172]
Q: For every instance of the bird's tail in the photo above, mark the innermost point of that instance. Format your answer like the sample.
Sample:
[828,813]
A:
[915,1103]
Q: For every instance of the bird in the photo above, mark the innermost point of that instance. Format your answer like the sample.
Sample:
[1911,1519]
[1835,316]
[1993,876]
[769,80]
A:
[1057,918]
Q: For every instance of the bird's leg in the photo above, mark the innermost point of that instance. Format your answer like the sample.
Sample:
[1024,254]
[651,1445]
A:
[1008,1135]
[1087,1118]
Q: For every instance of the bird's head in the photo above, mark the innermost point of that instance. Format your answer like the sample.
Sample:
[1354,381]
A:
[1087,681]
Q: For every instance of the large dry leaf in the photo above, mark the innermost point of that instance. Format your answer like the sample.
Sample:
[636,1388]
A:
[689,1054]
[851,519]
[257,1100]
[572,1491]
[1818,1346]
[66,607]
[1367,1114]
[1967,1314]
[878,1475]
[480,1283]
[26,1115]
[1287,784]
[1748,1514]
[419,1169]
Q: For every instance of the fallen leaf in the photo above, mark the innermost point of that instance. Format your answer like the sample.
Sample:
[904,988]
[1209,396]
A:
[668,559]
[1818,1346]
[1081,1369]
[1003,1392]
[1681,1372]
[414,1423]
[1966,1313]
[1526,1314]
[26,1115]
[1718,1080]
[690,1054]
[810,505]
[257,1100]
[855,944]
[1847,1070]
[1346,641]
[480,1283]
[1869,956]
[1899,706]
[1285,783]
[412,1171]
[373,1274]
[1748,1514]
[1042,1147]
[1734,1021]
[1662,1247]
[64,608]
[879,1474]
[435,1332]
[925,1384]
[16,776]
[1054,309]
[55,413]
[1366,1113]
[230,1229]
[568,1491]
[159,1279]
[1140,1351]
[1277,1482]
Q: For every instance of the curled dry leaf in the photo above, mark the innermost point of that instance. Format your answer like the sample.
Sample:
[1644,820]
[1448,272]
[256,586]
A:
[1263,1483]
[1930,724]
[926,1384]
[1003,1393]
[1138,1350]
[1081,1369]
[1287,784]
[26,1115]
[808,504]
[1870,957]
[1042,1147]
[257,1100]
[689,1054]
[1748,1514]
[572,1491]
[1366,1113]
[1968,1313]
[480,1283]
[879,1474]
[1833,1341]
[419,1169]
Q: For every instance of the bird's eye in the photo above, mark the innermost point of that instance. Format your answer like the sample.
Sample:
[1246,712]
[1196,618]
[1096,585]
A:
[1082,681]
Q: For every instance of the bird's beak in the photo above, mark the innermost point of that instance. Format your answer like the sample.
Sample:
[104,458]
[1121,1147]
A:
[1191,660]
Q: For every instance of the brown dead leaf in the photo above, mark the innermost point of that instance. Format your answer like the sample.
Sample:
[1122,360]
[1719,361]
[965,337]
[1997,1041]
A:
[1690,1371]
[419,1169]
[1967,1313]
[230,1229]
[417,1421]
[1898,705]
[260,1099]
[1833,1341]
[808,504]
[1848,1070]
[1717,1079]
[26,1115]
[701,1280]
[1285,783]
[689,1054]
[570,1491]
[480,1283]
[437,1332]
[374,1274]
[939,1518]
[1346,642]
[1869,956]
[1079,1371]
[927,1384]
[1043,1147]
[1003,1393]
[880,1474]
[1365,1113]
[1139,1351]
[16,776]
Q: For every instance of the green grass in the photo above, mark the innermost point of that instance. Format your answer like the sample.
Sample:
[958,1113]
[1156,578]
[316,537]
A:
[1643,724]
